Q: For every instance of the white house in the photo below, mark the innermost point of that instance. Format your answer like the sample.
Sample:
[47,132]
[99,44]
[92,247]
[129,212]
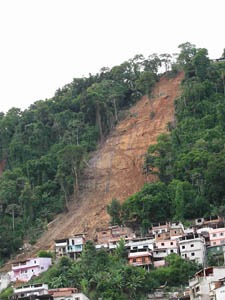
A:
[192,247]
[200,284]
[140,243]
[33,289]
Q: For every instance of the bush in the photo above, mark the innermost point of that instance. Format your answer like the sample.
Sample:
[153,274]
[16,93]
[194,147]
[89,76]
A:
[6,293]
[43,253]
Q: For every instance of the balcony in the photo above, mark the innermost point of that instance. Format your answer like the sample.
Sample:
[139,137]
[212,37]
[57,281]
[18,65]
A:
[74,248]
[29,264]
[139,253]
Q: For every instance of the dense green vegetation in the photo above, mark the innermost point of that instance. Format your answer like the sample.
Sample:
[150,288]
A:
[189,161]
[107,276]
[46,146]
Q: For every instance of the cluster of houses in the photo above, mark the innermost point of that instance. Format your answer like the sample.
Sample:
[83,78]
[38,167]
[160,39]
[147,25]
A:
[193,243]
[42,292]
[204,236]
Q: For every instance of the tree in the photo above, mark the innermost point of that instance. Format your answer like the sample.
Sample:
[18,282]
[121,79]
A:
[201,63]
[70,163]
[188,50]
[146,82]
[114,210]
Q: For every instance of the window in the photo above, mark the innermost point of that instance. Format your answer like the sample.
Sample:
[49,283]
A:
[197,289]
[185,255]
[72,242]
[171,243]
[221,233]
[192,245]
[143,260]
[159,235]
[214,234]
[134,259]
[192,254]
[42,268]
[162,244]
[35,261]
[77,298]
[171,251]
[214,243]
[183,247]
[175,232]
[222,242]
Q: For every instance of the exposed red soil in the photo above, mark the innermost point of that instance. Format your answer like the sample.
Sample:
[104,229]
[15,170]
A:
[115,169]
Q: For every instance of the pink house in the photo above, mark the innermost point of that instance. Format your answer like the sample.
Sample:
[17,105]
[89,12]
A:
[217,237]
[170,245]
[26,269]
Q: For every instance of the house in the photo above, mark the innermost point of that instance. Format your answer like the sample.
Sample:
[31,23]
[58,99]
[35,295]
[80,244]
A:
[170,245]
[218,290]
[122,232]
[75,245]
[217,220]
[140,257]
[114,234]
[159,256]
[67,294]
[217,236]
[192,247]
[201,284]
[24,270]
[103,235]
[33,289]
[140,243]
[176,230]
[212,222]
[160,227]
[33,297]
[102,246]
[165,231]
[61,247]
[162,235]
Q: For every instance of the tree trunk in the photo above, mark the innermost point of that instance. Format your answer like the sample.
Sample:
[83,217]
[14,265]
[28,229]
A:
[115,109]
[76,183]
[65,194]
[98,118]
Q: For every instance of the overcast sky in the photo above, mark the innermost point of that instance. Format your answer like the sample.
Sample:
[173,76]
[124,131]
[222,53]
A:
[46,43]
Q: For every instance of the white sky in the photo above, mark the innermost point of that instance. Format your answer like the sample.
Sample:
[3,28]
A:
[44,44]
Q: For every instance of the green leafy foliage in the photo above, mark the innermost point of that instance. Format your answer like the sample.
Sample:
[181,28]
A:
[102,275]
[189,160]
[46,146]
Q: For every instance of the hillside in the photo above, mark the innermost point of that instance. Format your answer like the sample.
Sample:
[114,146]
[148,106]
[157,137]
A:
[115,170]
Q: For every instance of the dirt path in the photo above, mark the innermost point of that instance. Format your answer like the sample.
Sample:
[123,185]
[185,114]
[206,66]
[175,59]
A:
[116,169]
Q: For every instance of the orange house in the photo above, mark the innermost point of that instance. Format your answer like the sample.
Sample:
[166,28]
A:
[140,257]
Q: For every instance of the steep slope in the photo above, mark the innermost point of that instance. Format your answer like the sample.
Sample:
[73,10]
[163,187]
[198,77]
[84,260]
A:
[115,170]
